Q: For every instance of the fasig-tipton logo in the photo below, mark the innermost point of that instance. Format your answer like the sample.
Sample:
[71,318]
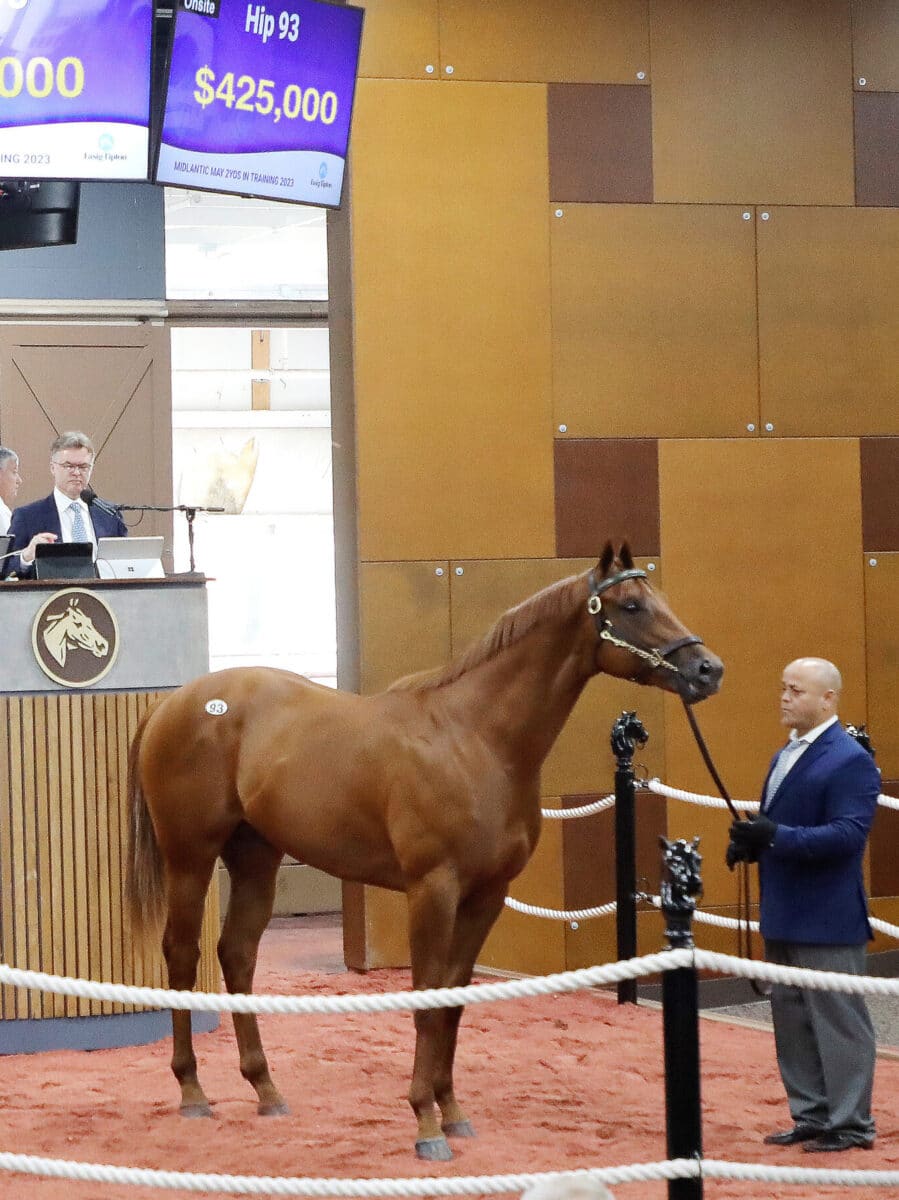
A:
[75,637]
[206,8]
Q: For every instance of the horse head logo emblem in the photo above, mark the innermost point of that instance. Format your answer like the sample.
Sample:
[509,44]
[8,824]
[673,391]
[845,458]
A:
[72,629]
[75,637]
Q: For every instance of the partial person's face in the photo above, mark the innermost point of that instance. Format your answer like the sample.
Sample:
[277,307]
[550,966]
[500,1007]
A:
[805,701]
[71,470]
[9,481]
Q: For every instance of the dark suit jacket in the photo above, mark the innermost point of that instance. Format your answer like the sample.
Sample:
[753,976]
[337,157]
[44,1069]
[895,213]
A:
[43,517]
[811,877]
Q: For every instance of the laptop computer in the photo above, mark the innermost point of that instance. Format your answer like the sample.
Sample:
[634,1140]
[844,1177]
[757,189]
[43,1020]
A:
[64,560]
[130,558]
[6,541]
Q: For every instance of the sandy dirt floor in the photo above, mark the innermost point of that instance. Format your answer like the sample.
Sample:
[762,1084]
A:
[557,1083]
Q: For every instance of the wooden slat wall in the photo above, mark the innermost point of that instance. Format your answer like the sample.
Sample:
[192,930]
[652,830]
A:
[63,840]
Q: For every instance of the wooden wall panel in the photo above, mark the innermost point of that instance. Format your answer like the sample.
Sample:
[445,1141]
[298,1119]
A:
[877,148]
[880,496]
[405,620]
[752,102]
[581,760]
[875,44]
[761,542]
[63,836]
[522,943]
[452,321]
[566,41]
[881,607]
[399,39]
[603,485]
[884,862]
[828,321]
[600,143]
[654,328]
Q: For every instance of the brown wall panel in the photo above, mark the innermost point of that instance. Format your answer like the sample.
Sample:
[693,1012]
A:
[451,277]
[600,143]
[404,614]
[877,148]
[881,607]
[606,486]
[828,321]
[399,39]
[761,542]
[751,102]
[875,44]
[880,495]
[884,862]
[567,41]
[523,943]
[654,326]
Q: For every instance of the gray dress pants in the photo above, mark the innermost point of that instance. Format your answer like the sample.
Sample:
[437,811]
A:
[824,1040]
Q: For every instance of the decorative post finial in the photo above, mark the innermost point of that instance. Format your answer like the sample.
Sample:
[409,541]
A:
[626,732]
[681,882]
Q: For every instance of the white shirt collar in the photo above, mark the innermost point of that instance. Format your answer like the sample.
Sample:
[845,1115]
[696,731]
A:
[815,733]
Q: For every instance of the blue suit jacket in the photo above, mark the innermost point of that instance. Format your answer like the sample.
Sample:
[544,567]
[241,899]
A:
[43,517]
[811,877]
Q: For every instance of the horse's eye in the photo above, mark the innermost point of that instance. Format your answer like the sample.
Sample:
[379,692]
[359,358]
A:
[631,606]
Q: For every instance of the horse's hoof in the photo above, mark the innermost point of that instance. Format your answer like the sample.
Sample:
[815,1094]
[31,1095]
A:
[435,1149]
[459,1129]
[273,1110]
[195,1110]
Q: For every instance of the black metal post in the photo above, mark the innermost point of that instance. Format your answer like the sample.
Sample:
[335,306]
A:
[681,882]
[626,732]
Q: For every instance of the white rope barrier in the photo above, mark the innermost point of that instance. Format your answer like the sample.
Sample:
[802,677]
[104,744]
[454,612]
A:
[463,1185]
[585,810]
[557,914]
[662,789]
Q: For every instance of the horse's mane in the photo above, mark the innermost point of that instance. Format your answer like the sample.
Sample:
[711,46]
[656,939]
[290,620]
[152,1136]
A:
[554,601]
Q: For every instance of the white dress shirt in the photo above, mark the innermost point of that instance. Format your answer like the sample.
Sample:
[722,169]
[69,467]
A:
[5,517]
[808,738]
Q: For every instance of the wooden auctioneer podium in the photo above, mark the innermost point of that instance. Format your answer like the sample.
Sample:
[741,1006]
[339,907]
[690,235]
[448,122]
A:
[80,663]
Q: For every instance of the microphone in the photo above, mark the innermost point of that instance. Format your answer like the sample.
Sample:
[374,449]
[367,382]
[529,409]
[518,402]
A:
[89,496]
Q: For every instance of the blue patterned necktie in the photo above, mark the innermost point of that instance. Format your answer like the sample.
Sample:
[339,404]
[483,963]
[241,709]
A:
[783,764]
[79,532]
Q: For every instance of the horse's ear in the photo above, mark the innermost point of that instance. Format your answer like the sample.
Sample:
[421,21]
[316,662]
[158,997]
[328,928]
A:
[627,559]
[606,559]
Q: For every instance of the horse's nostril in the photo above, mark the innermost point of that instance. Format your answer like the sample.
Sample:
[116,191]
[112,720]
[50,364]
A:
[705,667]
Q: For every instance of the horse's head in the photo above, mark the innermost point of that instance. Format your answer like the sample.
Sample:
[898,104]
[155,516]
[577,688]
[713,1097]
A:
[640,638]
[77,630]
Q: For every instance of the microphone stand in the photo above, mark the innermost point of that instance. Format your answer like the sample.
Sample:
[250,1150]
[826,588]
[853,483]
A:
[190,511]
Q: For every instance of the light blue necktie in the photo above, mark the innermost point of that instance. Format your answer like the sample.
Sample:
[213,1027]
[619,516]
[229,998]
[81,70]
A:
[79,532]
[783,764]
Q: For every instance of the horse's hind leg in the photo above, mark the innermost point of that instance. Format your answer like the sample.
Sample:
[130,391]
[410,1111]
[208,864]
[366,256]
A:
[252,863]
[181,947]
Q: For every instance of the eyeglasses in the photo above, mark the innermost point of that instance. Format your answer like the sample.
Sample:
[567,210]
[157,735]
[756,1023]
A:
[80,468]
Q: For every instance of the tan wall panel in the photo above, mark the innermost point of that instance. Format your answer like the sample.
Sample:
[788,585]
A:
[751,102]
[565,41]
[654,327]
[881,606]
[399,39]
[522,943]
[761,542]
[828,321]
[451,271]
[581,760]
[875,44]
[404,612]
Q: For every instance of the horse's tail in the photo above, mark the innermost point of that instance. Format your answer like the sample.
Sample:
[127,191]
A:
[144,877]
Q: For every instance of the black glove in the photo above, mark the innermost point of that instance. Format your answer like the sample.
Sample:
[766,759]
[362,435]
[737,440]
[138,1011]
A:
[757,834]
[737,854]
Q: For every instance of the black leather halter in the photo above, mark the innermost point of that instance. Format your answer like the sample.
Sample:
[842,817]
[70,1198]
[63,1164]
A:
[656,658]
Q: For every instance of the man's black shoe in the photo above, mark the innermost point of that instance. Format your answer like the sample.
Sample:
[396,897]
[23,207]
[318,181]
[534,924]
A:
[839,1139]
[790,1137]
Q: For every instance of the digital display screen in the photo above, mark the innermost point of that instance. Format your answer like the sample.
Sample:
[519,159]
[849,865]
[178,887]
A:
[259,98]
[75,89]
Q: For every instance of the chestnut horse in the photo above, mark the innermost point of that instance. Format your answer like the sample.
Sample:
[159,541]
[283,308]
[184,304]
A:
[431,788]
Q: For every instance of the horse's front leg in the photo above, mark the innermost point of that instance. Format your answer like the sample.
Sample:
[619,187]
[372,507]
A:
[432,912]
[474,920]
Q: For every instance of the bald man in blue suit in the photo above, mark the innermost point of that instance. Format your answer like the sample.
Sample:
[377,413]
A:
[818,803]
